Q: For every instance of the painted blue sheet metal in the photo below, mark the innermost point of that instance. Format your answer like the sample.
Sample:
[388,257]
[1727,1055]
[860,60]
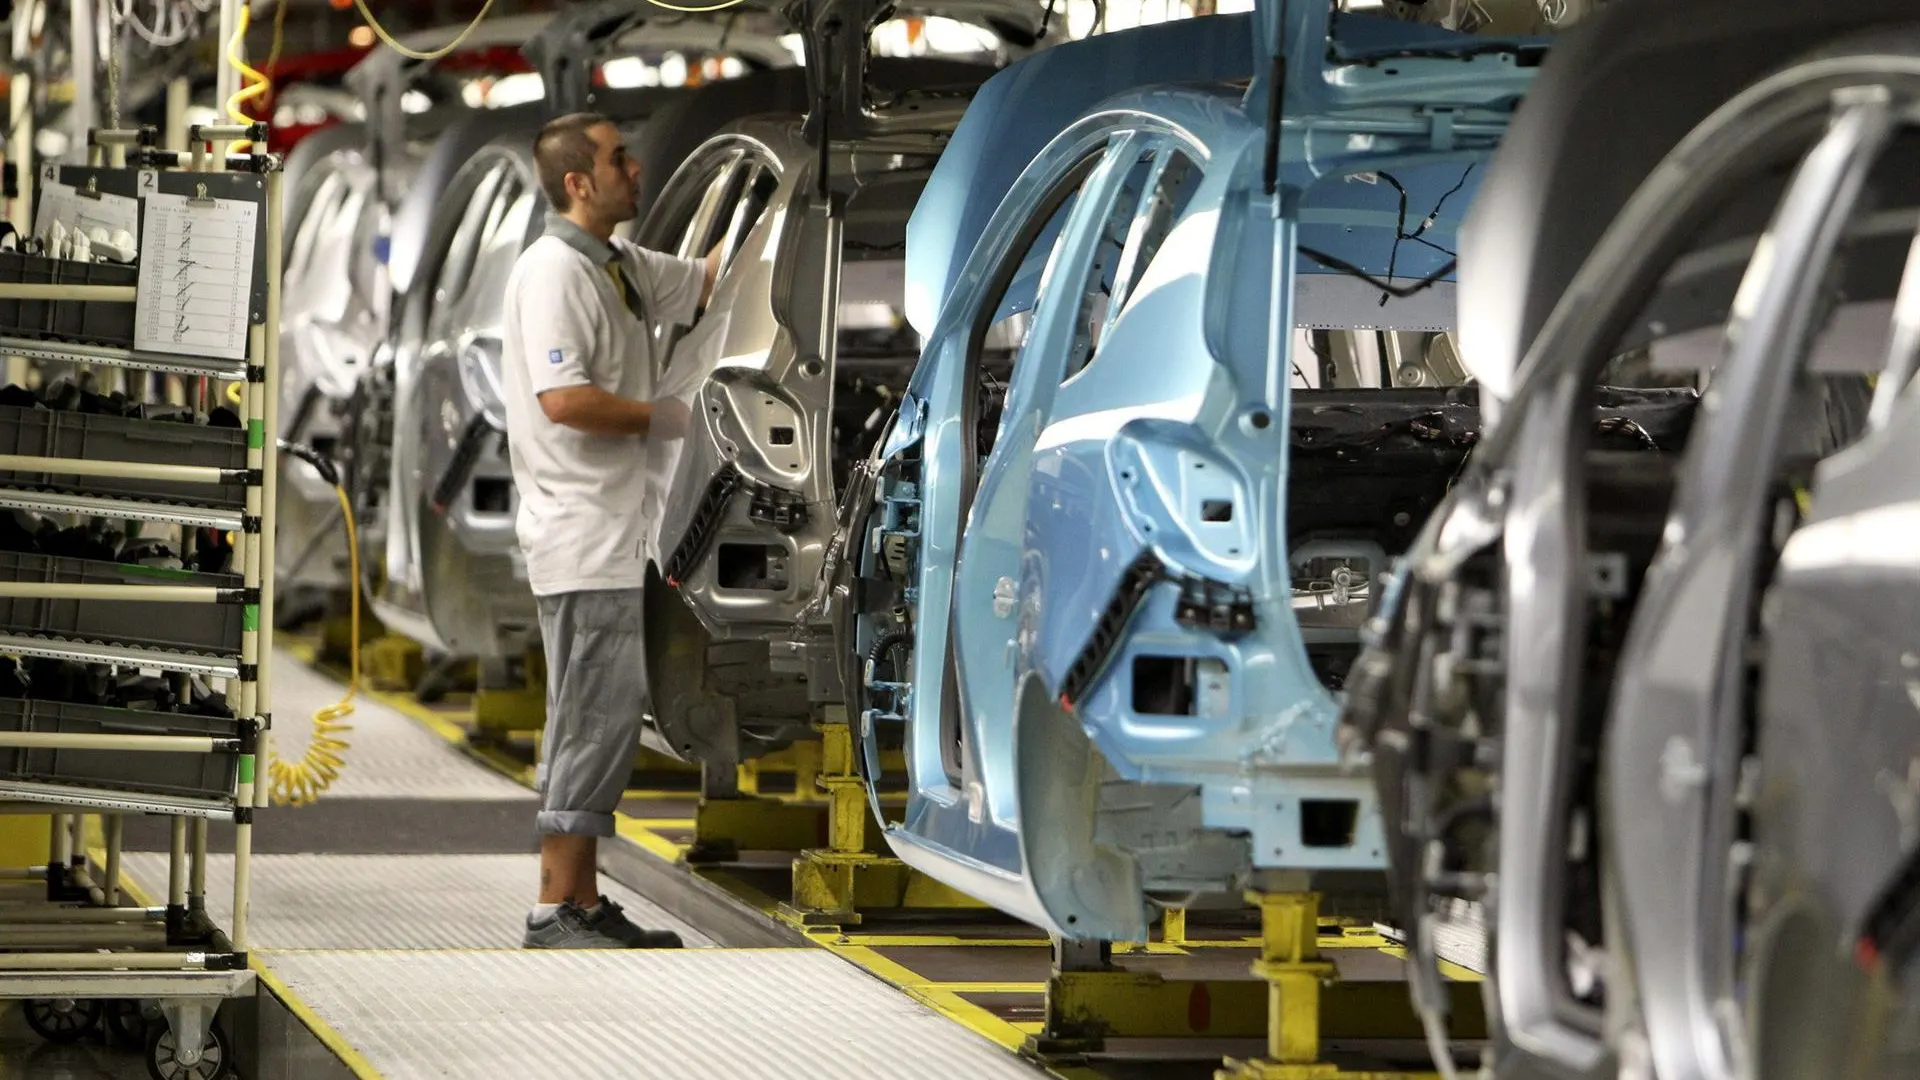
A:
[1018,110]
[1184,403]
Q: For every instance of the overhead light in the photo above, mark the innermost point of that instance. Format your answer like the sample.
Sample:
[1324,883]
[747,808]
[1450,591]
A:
[624,72]
[360,37]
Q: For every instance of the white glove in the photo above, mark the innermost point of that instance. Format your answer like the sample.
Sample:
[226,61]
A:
[671,419]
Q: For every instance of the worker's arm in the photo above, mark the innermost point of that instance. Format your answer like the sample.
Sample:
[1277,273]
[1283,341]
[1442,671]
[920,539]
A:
[680,287]
[713,273]
[596,412]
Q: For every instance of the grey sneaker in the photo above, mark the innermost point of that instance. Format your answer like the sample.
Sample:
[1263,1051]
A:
[610,919]
[568,928]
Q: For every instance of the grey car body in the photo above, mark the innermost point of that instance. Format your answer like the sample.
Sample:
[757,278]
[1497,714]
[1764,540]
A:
[785,400]
[1558,694]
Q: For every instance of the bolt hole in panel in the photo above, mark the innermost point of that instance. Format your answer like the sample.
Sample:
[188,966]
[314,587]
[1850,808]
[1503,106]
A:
[492,495]
[750,567]
[1180,686]
[1329,823]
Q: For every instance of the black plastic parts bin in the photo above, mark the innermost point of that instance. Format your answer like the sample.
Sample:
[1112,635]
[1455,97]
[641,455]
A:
[96,437]
[90,322]
[207,776]
[213,629]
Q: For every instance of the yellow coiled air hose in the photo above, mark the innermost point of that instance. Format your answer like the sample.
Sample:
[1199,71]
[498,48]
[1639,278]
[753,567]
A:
[258,84]
[298,783]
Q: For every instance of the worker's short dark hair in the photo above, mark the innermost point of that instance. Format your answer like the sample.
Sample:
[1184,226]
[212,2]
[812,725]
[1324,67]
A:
[563,146]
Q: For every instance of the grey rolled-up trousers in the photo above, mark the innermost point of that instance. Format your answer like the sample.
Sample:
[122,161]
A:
[596,694]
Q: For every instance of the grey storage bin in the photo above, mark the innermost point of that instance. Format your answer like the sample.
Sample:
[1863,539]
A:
[199,628]
[95,437]
[207,776]
[89,322]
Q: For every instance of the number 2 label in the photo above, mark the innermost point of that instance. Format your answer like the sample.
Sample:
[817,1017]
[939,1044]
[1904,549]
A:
[149,183]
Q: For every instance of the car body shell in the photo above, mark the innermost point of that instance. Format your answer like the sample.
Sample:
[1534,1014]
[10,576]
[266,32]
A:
[1052,792]
[1502,571]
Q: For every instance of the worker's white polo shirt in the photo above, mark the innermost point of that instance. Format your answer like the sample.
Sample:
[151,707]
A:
[581,522]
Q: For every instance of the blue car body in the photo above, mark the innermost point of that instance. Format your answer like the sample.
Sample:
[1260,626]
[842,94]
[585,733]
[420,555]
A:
[1086,623]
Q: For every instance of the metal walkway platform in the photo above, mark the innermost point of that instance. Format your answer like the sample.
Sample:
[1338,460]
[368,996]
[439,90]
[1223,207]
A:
[387,918]
[700,1014]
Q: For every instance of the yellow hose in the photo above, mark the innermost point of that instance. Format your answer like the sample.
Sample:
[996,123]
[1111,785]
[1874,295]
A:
[302,782]
[259,84]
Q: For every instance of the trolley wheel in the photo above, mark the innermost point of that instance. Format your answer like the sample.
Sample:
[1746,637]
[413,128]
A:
[162,1064]
[62,1020]
[128,1022]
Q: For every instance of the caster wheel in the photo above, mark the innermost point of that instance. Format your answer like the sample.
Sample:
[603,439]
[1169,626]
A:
[128,1022]
[163,1062]
[62,1020]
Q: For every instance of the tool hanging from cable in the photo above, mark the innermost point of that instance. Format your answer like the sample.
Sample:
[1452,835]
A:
[301,782]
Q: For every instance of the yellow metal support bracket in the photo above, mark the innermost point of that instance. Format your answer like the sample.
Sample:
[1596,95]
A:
[834,883]
[500,714]
[723,828]
[393,663]
[1306,1002]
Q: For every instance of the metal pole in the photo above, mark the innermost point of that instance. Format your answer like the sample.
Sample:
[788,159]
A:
[58,849]
[77,849]
[115,829]
[197,868]
[227,77]
[162,744]
[84,63]
[177,866]
[20,123]
[106,294]
[270,470]
[179,96]
[103,962]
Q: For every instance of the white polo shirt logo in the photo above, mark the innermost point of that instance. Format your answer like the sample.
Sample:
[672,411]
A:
[555,356]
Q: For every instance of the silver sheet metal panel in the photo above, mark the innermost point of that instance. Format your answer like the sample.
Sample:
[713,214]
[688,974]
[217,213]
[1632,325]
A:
[790,1014]
[389,901]
[389,756]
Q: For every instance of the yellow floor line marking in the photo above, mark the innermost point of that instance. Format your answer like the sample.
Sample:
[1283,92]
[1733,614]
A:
[362,1069]
[661,823]
[991,987]
[941,998]
[325,1032]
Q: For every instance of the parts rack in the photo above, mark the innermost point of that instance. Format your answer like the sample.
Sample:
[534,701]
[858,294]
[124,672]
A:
[79,948]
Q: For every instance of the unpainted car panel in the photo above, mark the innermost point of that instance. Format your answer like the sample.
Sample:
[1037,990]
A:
[1838,741]
[453,574]
[1634,77]
[1507,619]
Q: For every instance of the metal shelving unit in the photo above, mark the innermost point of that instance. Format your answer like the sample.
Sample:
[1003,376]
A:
[78,943]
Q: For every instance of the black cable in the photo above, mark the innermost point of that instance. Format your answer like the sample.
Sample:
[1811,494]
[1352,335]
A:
[1398,292]
[1418,235]
[1046,18]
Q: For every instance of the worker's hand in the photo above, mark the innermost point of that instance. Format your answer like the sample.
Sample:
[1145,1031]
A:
[671,419]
